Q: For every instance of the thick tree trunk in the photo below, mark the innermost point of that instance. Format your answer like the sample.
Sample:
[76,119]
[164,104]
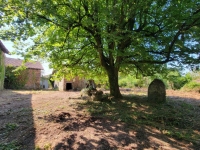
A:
[113,83]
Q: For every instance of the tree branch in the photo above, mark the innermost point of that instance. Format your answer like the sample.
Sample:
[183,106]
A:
[51,21]
[149,61]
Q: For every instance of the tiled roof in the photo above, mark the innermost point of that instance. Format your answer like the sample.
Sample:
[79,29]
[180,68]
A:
[3,48]
[18,62]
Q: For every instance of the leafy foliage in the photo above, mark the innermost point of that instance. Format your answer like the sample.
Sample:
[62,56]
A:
[105,37]
[2,70]
[192,86]
[172,78]
[9,146]
[11,126]
[130,81]
[176,80]
[15,79]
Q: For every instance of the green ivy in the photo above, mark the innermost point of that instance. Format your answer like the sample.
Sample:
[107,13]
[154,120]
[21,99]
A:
[15,79]
[2,69]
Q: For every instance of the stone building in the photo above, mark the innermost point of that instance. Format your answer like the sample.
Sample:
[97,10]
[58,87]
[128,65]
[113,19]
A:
[3,50]
[71,84]
[32,72]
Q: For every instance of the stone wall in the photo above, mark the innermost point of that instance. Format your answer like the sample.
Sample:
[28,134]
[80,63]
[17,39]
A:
[76,84]
[33,79]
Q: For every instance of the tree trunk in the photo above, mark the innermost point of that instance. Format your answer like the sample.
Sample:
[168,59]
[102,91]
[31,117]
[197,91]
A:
[113,82]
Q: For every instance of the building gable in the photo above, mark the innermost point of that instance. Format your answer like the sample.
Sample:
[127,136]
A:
[33,72]
[18,62]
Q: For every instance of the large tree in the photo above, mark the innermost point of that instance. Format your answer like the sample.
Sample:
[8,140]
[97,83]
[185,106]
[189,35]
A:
[106,35]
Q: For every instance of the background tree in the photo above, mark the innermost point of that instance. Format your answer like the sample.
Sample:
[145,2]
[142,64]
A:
[106,36]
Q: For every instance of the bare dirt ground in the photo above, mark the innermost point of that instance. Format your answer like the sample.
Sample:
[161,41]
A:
[56,120]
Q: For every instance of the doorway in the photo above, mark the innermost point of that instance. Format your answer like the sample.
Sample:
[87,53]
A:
[68,86]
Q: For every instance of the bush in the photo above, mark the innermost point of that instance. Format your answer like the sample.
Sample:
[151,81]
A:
[179,82]
[127,81]
[122,83]
[139,83]
[191,86]
[15,79]
[176,81]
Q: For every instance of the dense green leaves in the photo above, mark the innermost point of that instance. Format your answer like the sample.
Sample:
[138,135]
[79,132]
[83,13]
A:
[106,36]
[15,79]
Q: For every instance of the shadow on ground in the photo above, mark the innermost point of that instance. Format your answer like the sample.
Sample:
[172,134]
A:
[16,121]
[75,124]
[131,123]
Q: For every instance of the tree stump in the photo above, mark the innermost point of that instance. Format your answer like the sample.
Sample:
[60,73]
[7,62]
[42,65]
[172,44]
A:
[90,92]
[86,92]
[97,95]
[157,91]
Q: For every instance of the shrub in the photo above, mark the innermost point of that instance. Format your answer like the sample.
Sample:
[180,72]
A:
[122,83]
[139,83]
[15,79]
[191,86]
[179,82]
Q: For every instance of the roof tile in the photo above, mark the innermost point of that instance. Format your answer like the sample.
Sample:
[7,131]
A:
[18,62]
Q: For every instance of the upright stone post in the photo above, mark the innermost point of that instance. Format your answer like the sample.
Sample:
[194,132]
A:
[157,91]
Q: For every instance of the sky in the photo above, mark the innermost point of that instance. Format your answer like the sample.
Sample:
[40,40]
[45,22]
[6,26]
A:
[9,46]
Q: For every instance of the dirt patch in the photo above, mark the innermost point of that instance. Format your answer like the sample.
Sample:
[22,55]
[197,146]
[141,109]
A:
[57,120]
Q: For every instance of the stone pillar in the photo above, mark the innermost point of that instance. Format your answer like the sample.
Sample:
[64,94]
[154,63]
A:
[157,91]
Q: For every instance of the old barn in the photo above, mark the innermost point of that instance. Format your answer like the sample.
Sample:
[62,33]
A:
[32,73]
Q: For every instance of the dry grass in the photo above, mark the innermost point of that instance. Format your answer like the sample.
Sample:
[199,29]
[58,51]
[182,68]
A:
[48,120]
